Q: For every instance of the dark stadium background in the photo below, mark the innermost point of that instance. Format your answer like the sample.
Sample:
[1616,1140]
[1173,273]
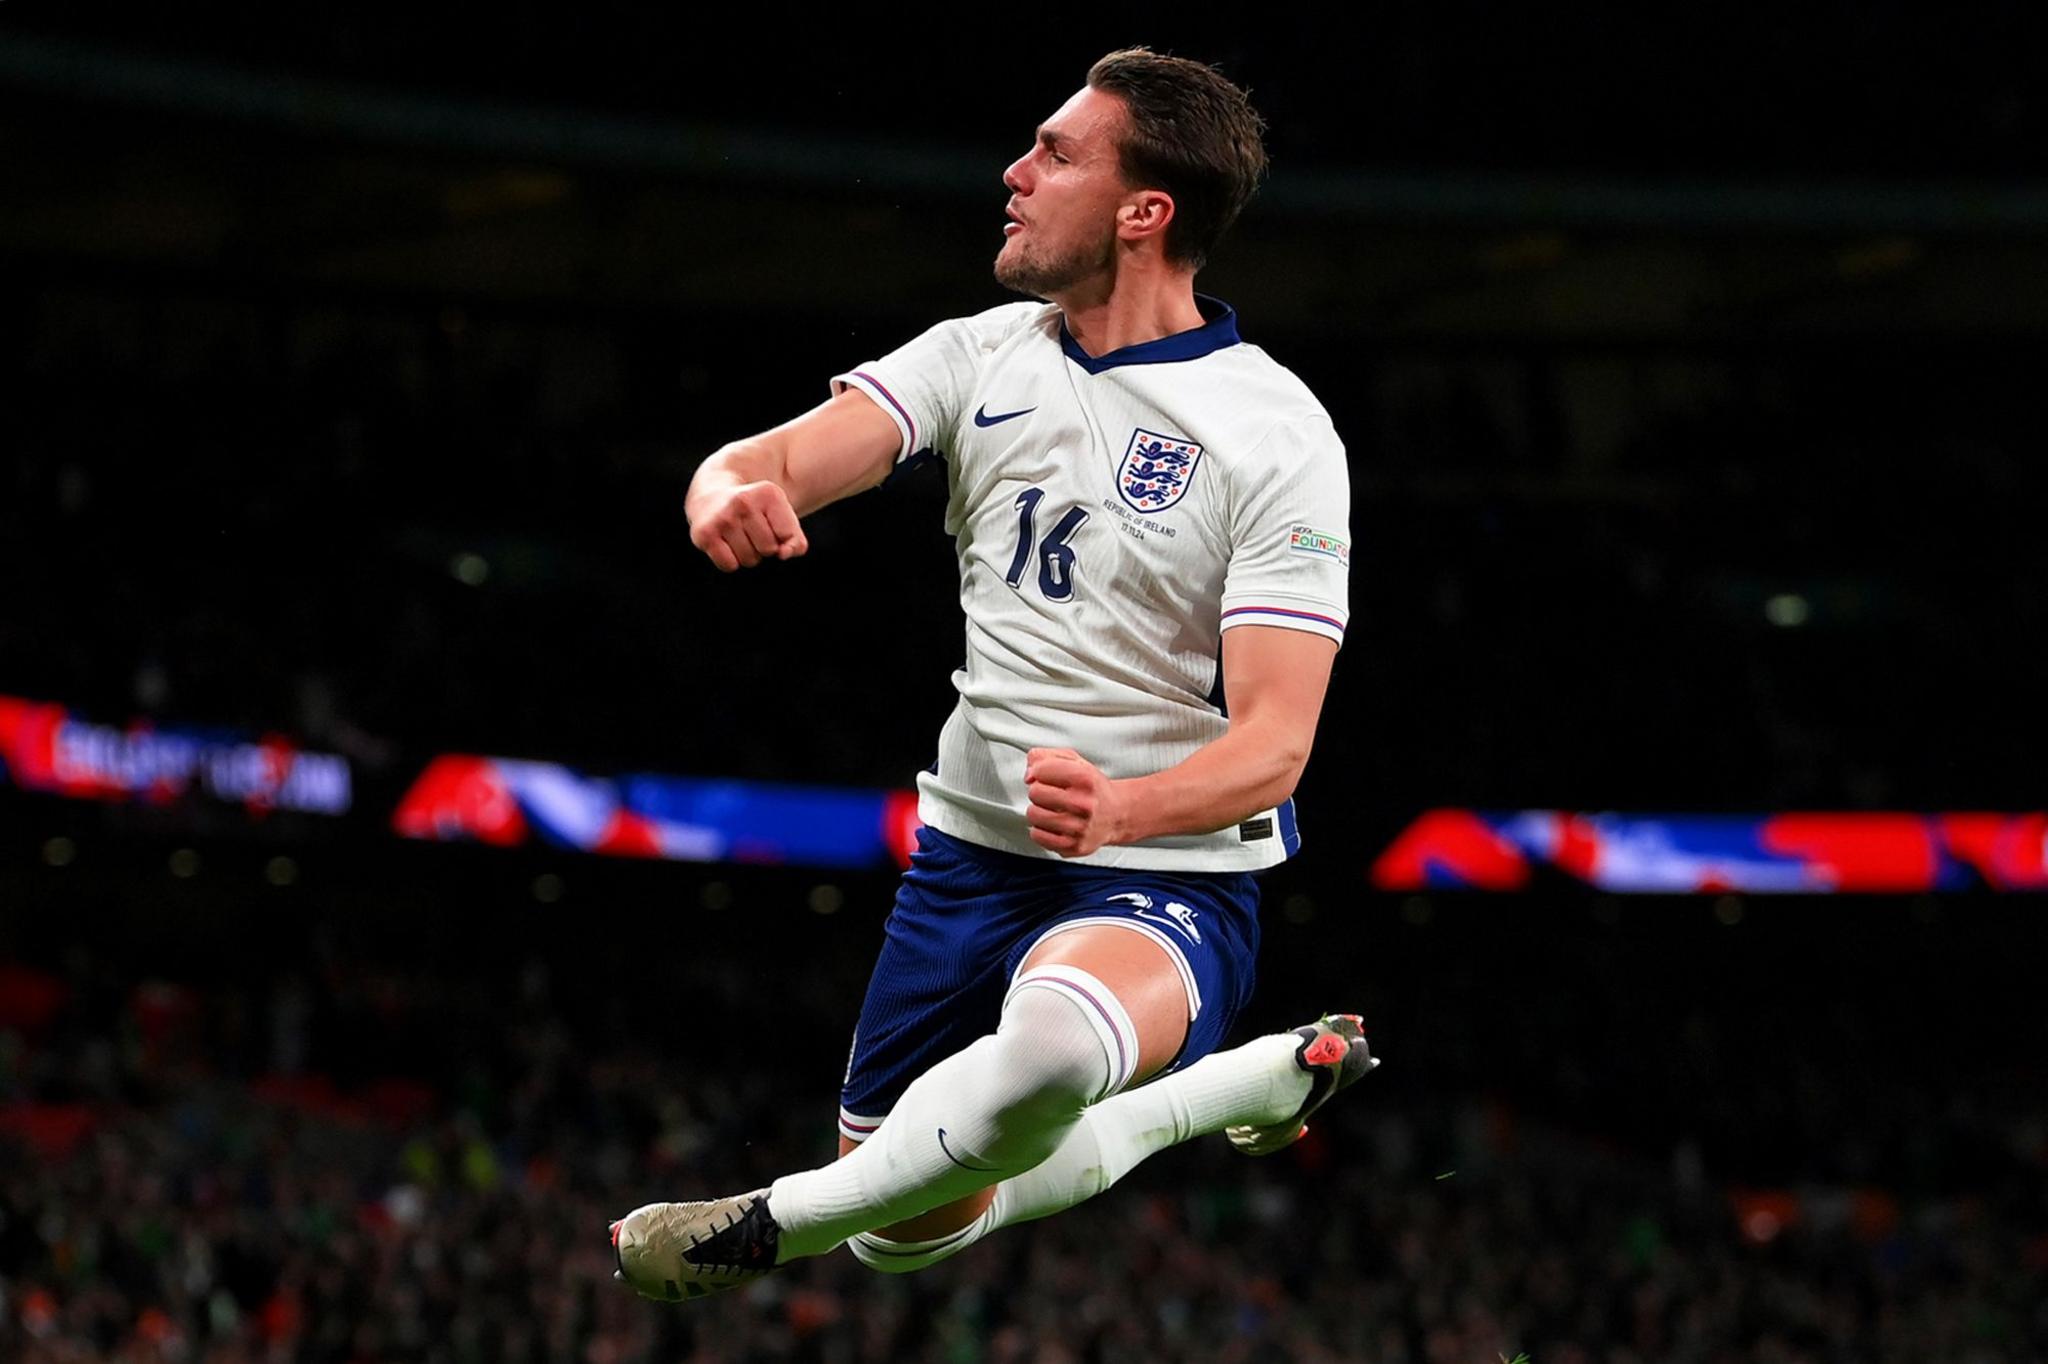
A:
[1632,322]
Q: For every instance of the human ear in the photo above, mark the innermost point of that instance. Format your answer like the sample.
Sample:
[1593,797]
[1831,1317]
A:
[1146,214]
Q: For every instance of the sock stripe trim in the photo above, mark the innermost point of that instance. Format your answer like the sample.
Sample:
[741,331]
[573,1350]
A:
[1116,1022]
[881,1245]
[1125,1062]
[902,1257]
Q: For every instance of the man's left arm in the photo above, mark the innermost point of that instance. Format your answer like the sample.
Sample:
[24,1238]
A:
[1274,679]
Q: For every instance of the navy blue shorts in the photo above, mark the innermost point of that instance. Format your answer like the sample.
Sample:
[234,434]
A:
[964,919]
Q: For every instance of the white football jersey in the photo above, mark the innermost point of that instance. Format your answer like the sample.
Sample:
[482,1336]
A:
[1113,516]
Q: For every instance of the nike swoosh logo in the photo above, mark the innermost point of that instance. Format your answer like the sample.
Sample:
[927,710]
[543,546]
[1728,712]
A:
[978,1169]
[982,418]
[1168,921]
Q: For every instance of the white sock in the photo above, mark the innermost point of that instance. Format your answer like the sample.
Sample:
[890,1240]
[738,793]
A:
[903,1257]
[978,1117]
[1256,1083]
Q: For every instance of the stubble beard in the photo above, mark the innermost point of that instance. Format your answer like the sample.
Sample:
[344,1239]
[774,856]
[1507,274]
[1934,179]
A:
[1043,277]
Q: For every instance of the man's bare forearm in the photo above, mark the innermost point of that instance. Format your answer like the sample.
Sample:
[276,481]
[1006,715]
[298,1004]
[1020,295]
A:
[753,460]
[1073,808]
[835,450]
[1222,783]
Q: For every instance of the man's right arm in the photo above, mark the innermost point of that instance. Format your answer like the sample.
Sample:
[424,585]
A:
[745,501]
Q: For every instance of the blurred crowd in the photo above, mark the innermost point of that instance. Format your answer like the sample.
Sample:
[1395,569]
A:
[361,1163]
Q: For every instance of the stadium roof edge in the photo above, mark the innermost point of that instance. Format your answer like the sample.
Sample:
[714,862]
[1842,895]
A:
[69,70]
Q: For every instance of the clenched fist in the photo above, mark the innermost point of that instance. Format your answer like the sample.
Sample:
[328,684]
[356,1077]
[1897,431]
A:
[740,526]
[1074,809]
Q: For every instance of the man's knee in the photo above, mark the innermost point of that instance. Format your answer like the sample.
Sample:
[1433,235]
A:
[886,1256]
[926,1239]
[1142,981]
[940,1222]
[1066,1036]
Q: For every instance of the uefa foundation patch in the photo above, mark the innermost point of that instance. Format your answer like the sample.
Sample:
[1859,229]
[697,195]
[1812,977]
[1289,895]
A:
[1318,544]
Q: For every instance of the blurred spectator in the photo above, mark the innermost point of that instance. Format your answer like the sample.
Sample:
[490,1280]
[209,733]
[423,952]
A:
[447,1202]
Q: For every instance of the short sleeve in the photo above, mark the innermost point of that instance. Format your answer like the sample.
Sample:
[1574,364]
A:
[1290,533]
[924,384]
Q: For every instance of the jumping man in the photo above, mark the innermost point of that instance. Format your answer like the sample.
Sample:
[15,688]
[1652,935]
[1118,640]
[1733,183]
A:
[1151,518]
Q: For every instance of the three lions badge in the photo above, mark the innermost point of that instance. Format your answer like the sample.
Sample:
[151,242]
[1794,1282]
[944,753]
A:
[1156,470]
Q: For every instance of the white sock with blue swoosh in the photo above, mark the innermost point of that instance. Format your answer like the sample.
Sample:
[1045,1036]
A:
[983,1115]
[1256,1083]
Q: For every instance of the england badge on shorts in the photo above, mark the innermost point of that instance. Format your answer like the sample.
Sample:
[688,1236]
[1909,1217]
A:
[1156,470]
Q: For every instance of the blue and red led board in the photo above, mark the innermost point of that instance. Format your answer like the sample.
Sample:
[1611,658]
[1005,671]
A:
[1812,853]
[507,802]
[44,747]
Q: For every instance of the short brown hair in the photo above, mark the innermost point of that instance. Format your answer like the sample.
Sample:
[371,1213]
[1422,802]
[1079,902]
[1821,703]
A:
[1192,134]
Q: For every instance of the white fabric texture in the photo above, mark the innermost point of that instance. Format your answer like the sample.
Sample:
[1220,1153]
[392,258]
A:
[1097,601]
[992,1110]
[1104,1012]
[907,1257]
[1256,1083]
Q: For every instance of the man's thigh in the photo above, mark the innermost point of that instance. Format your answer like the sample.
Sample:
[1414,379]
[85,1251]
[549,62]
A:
[1205,928]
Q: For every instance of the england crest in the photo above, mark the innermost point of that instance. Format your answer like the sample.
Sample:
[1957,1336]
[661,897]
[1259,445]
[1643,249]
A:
[1156,470]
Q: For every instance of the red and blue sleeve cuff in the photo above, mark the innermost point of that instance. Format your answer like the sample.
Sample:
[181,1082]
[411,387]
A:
[1286,617]
[887,401]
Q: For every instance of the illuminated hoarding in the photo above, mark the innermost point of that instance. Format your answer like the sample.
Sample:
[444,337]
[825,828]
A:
[44,747]
[1809,853]
[508,802]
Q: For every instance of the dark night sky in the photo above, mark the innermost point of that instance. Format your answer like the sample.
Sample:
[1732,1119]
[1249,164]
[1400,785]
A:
[1831,89]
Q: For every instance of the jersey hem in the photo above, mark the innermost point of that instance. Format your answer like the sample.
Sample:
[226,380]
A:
[951,820]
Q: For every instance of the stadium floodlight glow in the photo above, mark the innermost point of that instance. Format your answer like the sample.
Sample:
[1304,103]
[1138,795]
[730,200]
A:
[1788,610]
[1786,853]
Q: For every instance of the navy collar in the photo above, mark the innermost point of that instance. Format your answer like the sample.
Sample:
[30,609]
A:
[1219,329]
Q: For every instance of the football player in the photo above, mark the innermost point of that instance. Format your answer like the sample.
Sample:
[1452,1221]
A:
[1151,521]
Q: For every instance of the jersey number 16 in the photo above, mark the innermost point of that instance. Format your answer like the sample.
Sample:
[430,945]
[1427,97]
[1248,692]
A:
[1055,556]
